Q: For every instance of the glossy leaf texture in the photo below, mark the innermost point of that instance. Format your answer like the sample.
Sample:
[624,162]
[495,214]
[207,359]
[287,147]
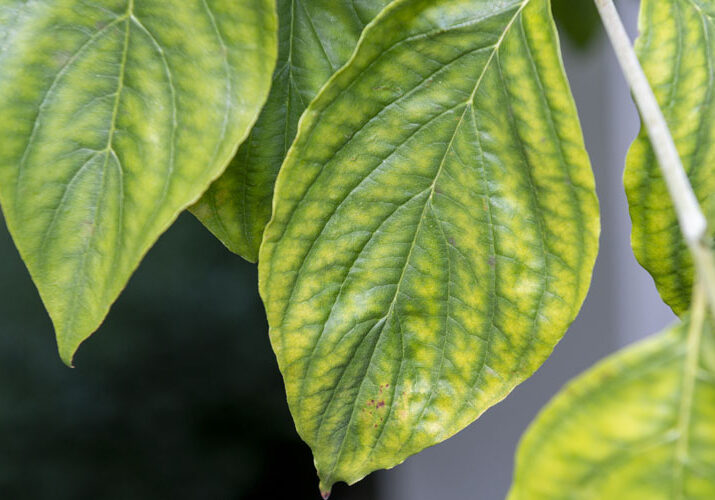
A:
[640,425]
[116,116]
[434,230]
[677,50]
[316,37]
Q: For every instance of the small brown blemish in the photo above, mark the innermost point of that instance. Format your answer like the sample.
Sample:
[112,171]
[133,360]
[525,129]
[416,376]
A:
[492,261]
[451,241]
[380,404]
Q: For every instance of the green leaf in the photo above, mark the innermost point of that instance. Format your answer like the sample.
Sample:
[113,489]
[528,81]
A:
[677,50]
[434,231]
[640,425]
[316,37]
[116,116]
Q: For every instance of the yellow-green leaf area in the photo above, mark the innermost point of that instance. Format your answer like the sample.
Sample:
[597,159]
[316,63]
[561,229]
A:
[677,50]
[316,37]
[116,116]
[434,230]
[640,425]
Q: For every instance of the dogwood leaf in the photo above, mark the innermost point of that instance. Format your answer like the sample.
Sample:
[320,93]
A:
[434,230]
[677,51]
[116,116]
[316,37]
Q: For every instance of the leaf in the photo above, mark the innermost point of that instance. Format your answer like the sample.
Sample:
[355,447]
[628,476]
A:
[434,230]
[677,50]
[316,37]
[640,425]
[116,117]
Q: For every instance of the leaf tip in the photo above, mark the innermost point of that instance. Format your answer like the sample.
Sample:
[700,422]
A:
[325,488]
[67,350]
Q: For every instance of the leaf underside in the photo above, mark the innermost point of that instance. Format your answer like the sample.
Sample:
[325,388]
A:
[315,38]
[677,50]
[107,133]
[625,430]
[434,231]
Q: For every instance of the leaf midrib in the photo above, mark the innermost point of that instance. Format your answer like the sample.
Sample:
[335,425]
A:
[428,203]
[70,319]
[690,371]
[347,141]
[408,201]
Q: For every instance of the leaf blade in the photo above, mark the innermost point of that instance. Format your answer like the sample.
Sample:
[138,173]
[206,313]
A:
[617,429]
[316,37]
[403,188]
[676,49]
[109,134]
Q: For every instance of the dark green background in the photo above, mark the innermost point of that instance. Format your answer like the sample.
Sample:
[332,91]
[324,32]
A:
[176,397]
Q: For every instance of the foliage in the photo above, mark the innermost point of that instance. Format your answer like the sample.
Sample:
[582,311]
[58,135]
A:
[412,178]
[315,38]
[640,425]
[107,134]
[404,293]
[676,48]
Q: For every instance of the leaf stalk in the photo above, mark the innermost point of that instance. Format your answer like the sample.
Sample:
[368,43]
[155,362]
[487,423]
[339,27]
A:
[690,374]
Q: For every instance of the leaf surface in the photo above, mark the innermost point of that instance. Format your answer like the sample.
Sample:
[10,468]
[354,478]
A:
[116,116]
[640,425]
[434,231]
[316,37]
[677,50]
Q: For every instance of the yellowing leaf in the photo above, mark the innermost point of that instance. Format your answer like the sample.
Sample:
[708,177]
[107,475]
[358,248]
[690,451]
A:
[116,116]
[434,230]
[677,50]
[316,37]
[638,426]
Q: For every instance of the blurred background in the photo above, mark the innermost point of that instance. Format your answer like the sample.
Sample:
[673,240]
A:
[178,395]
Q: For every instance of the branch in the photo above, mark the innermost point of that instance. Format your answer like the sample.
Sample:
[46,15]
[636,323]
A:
[693,223]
